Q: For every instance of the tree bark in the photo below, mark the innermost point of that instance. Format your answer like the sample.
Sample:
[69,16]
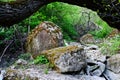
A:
[14,12]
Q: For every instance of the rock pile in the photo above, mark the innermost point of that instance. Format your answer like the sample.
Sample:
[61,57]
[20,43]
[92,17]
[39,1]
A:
[76,61]
[89,64]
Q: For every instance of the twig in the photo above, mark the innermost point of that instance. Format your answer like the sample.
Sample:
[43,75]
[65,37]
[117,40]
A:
[4,51]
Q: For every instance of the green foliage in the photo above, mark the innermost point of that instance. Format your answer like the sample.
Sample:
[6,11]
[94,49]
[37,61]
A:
[110,46]
[105,29]
[6,0]
[41,60]
[15,33]
[25,56]
[62,14]
[6,34]
[46,71]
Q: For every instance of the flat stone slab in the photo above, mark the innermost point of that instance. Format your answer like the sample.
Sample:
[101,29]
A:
[39,74]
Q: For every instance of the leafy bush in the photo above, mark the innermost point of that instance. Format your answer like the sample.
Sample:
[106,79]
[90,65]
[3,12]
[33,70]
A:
[25,56]
[59,13]
[41,60]
[6,0]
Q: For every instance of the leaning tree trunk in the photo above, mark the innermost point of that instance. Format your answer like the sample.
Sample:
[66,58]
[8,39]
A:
[14,12]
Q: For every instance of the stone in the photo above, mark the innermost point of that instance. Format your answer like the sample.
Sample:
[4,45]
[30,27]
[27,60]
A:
[86,77]
[113,63]
[66,59]
[87,39]
[38,74]
[45,36]
[91,47]
[2,74]
[109,75]
[95,68]
[86,28]
[75,44]
[21,62]
[93,53]
[113,33]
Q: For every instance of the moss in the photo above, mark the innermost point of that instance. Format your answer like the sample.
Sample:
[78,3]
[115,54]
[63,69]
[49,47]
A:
[39,28]
[54,54]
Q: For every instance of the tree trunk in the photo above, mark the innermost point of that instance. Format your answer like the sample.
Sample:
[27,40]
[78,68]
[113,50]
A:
[14,12]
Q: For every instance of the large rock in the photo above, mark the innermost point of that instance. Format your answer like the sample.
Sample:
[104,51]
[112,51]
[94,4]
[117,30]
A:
[45,36]
[95,68]
[94,54]
[86,28]
[67,59]
[113,63]
[38,74]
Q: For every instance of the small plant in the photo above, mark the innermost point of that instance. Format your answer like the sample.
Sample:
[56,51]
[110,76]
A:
[25,56]
[46,71]
[41,60]
[110,46]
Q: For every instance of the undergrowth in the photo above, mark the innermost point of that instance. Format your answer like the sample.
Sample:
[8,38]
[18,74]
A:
[110,46]
[41,60]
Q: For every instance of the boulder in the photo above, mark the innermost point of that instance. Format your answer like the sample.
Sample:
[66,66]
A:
[38,74]
[85,28]
[113,63]
[95,68]
[66,59]
[75,44]
[93,53]
[21,62]
[87,39]
[45,36]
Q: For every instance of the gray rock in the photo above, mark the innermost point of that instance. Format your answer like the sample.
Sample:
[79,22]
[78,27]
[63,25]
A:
[2,74]
[67,59]
[75,44]
[86,77]
[113,63]
[109,75]
[92,47]
[38,74]
[93,53]
[95,68]
[21,62]
[46,35]
[85,28]
[87,39]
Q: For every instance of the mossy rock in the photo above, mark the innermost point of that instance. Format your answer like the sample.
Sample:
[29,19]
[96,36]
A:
[45,36]
[66,59]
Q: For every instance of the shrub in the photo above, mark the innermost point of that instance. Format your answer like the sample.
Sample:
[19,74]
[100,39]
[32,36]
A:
[41,60]
[110,46]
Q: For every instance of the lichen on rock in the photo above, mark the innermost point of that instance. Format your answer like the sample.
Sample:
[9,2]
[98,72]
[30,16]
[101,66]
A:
[66,59]
[45,36]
